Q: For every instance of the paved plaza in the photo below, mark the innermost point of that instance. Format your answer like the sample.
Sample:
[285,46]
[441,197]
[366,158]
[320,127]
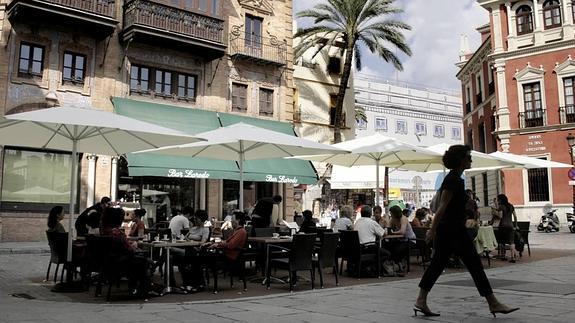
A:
[545,290]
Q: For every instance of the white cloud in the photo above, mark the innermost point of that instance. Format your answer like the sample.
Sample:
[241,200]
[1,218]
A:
[434,40]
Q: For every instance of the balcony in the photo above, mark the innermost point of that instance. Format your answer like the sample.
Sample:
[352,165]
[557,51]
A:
[97,17]
[260,50]
[161,25]
[567,113]
[532,118]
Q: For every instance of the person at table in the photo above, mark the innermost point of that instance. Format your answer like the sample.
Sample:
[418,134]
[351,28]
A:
[507,224]
[419,219]
[344,222]
[124,253]
[178,223]
[233,245]
[199,232]
[89,219]
[379,217]
[402,232]
[369,231]
[450,236]
[137,226]
[308,225]
[54,218]
[266,212]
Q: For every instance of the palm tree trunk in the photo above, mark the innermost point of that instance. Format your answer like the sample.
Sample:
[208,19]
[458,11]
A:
[339,122]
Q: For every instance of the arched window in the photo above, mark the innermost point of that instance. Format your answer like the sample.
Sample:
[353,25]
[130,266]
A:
[552,13]
[524,20]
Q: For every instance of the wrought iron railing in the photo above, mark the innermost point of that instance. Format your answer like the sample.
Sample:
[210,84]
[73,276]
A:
[257,47]
[102,7]
[532,118]
[153,14]
[567,113]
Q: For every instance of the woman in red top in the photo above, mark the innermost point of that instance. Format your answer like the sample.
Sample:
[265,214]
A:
[137,228]
[234,243]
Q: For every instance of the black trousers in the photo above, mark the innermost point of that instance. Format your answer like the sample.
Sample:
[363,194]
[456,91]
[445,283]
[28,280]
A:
[453,239]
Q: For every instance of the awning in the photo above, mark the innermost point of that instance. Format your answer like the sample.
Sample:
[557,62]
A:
[195,121]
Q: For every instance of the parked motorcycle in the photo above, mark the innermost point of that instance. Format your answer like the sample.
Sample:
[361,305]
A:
[549,222]
[571,222]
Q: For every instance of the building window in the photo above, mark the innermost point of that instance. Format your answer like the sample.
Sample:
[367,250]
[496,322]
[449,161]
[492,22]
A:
[266,102]
[439,131]
[332,104]
[380,124]
[524,20]
[481,132]
[552,13]
[485,190]
[467,100]
[478,90]
[31,62]
[538,182]
[139,79]
[470,138]
[239,97]
[401,127]
[203,5]
[361,123]
[253,34]
[163,83]
[420,129]
[569,90]
[456,133]
[334,65]
[215,7]
[491,85]
[493,129]
[473,184]
[533,111]
[187,86]
[35,177]
[74,68]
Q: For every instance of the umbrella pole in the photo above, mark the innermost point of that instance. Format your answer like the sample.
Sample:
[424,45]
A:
[241,201]
[377,182]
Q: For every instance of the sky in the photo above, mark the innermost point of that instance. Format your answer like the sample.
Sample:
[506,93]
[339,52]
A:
[437,26]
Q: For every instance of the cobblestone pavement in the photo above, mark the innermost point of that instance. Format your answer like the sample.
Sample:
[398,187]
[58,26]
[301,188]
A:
[545,290]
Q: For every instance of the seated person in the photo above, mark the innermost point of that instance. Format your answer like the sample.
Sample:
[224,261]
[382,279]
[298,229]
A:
[184,258]
[137,227]
[420,218]
[89,219]
[308,225]
[344,222]
[234,244]
[402,231]
[379,217]
[369,230]
[198,232]
[179,222]
[135,267]
[56,215]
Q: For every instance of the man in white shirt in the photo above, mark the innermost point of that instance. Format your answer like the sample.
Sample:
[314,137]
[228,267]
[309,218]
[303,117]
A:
[367,228]
[178,223]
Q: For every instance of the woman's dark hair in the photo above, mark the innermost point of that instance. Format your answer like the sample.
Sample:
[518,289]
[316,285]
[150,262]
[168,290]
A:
[421,213]
[377,208]
[454,155]
[396,212]
[53,216]
[277,199]
[112,217]
[240,217]
[503,200]
[307,214]
[202,215]
[139,213]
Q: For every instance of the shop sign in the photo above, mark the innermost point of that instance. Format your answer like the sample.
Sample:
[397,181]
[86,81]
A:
[281,179]
[187,173]
[535,143]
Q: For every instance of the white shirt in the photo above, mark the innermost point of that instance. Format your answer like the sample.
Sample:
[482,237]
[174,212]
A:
[178,223]
[368,229]
[342,224]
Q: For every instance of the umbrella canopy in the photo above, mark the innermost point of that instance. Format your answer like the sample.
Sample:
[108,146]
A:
[529,162]
[378,150]
[84,130]
[240,142]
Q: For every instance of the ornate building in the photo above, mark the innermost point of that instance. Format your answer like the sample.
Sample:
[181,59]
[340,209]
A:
[193,65]
[518,97]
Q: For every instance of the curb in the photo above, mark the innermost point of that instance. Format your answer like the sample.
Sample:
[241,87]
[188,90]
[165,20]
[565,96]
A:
[21,251]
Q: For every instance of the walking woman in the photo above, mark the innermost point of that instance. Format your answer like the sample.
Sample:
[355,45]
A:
[450,236]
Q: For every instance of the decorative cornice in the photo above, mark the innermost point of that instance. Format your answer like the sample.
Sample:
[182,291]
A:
[534,49]
[261,6]
[405,112]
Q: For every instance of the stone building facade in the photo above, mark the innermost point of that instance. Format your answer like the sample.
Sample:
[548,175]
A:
[230,57]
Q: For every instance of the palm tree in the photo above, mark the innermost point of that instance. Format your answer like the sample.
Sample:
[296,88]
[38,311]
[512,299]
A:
[346,25]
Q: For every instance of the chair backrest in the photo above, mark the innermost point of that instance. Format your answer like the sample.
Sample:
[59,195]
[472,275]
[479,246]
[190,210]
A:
[102,250]
[58,242]
[328,249]
[263,232]
[420,233]
[349,245]
[301,251]
[524,230]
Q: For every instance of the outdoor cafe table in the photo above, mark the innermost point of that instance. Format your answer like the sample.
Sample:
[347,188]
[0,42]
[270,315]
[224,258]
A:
[485,241]
[168,245]
[263,244]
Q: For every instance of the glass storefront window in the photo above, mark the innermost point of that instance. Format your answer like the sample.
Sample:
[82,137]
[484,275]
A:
[36,177]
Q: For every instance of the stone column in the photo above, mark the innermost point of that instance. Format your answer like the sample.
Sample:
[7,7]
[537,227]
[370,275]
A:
[114,179]
[502,107]
[497,32]
[536,19]
[91,182]
[510,22]
[202,193]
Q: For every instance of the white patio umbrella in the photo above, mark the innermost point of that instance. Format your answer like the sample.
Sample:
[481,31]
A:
[377,150]
[240,142]
[84,130]
[529,162]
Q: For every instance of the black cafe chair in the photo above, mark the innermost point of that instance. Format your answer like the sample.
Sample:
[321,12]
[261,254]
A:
[524,230]
[326,256]
[299,257]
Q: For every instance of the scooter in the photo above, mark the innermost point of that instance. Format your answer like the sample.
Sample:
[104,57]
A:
[549,222]
[571,222]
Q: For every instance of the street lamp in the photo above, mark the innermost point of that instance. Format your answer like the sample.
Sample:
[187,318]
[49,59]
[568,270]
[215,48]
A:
[571,142]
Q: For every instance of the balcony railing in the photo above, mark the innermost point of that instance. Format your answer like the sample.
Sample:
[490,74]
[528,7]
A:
[101,7]
[532,118]
[567,113]
[260,49]
[157,15]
